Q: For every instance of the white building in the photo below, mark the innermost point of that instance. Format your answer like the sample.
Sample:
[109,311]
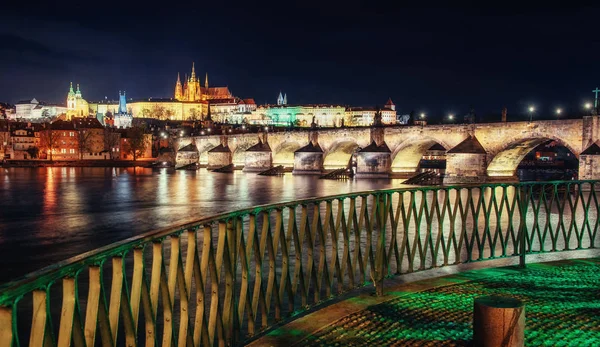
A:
[36,111]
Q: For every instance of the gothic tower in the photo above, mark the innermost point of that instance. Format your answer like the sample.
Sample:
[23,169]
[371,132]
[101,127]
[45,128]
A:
[280,99]
[285,99]
[191,92]
[178,89]
[122,103]
[206,81]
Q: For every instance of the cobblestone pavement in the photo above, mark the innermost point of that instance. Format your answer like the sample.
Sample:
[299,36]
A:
[562,309]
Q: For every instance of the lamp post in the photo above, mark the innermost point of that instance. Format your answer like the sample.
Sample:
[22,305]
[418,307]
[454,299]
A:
[558,112]
[451,118]
[531,110]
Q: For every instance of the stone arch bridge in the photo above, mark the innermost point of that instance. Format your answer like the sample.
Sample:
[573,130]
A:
[502,146]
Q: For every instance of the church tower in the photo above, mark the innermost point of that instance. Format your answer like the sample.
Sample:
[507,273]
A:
[285,99]
[71,103]
[280,100]
[206,81]
[178,89]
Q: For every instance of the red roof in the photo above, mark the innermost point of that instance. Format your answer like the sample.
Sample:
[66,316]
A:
[217,92]
[249,101]
[389,102]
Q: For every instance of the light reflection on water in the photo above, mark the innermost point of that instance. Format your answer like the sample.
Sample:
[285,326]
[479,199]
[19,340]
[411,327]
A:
[50,214]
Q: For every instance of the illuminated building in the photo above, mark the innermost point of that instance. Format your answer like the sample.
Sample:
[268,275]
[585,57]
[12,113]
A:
[191,90]
[163,109]
[283,114]
[122,118]
[36,111]
[90,138]
[364,116]
[76,104]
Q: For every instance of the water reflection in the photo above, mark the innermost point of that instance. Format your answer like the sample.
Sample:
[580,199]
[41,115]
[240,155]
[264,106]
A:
[50,214]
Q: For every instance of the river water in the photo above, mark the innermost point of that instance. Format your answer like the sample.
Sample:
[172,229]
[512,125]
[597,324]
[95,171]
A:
[50,214]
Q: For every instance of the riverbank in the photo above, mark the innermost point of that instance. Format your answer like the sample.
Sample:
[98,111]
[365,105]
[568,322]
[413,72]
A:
[78,163]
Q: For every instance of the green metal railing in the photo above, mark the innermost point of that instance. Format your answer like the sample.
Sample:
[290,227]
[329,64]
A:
[223,279]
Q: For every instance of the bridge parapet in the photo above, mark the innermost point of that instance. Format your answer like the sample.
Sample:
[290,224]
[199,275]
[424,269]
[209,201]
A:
[505,143]
[228,277]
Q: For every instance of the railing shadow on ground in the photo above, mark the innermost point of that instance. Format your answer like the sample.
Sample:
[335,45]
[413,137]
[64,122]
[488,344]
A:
[227,278]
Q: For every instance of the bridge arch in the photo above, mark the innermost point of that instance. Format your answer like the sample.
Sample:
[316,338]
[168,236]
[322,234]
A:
[504,163]
[238,157]
[408,154]
[339,154]
[203,149]
[284,153]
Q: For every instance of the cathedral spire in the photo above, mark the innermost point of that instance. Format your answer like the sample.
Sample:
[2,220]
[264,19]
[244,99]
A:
[71,88]
[285,99]
[206,81]
[193,77]
[178,89]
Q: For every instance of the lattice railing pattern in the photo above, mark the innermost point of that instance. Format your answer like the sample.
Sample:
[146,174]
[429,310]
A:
[223,279]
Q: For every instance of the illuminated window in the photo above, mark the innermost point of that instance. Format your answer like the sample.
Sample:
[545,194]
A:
[72,151]
[63,150]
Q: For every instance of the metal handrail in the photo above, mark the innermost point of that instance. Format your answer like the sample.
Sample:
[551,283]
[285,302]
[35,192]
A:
[234,274]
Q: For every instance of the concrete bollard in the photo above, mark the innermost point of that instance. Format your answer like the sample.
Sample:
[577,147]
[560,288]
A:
[498,321]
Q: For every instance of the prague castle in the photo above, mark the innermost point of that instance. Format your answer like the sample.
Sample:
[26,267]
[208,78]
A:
[191,90]
[191,101]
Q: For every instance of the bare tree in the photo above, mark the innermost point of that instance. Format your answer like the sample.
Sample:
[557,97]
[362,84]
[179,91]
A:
[84,144]
[169,114]
[137,141]
[194,116]
[111,140]
[4,142]
[49,140]
[158,112]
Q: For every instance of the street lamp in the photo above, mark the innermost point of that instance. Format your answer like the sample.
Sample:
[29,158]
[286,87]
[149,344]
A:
[422,115]
[587,105]
[531,110]
[558,111]
[451,117]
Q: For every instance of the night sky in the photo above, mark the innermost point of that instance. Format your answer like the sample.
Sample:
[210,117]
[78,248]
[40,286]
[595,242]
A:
[436,60]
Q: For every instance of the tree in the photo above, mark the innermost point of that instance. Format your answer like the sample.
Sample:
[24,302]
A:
[137,141]
[146,113]
[84,137]
[158,112]
[46,115]
[4,141]
[33,152]
[49,140]
[111,140]
[169,114]
[193,115]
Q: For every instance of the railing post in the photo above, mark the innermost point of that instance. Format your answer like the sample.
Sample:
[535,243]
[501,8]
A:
[6,326]
[523,228]
[380,261]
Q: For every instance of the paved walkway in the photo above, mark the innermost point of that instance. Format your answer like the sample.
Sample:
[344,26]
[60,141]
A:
[562,309]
